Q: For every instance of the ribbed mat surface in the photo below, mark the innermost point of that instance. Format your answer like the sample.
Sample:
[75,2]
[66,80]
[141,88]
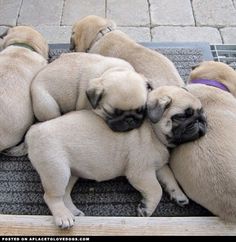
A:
[22,193]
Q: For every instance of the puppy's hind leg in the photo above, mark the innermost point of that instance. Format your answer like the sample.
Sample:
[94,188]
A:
[55,179]
[170,185]
[147,184]
[67,198]
[44,105]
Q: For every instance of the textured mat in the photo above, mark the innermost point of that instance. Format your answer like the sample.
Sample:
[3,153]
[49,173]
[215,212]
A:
[22,193]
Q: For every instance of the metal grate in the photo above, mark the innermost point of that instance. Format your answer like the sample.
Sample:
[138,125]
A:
[183,55]
[221,53]
[225,54]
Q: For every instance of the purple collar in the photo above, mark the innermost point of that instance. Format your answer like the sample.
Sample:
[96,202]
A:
[212,83]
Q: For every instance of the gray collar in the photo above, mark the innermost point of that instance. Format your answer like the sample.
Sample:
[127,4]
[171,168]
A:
[24,45]
[99,35]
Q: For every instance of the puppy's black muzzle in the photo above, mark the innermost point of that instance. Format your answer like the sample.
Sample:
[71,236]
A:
[126,121]
[189,130]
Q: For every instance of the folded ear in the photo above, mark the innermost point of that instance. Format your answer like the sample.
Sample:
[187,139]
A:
[79,40]
[111,24]
[157,107]
[95,92]
[4,33]
[195,66]
[72,43]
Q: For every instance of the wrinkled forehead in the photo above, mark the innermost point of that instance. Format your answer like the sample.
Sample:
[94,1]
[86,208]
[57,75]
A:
[21,29]
[25,32]
[184,102]
[127,101]
[124,89]
[89,21]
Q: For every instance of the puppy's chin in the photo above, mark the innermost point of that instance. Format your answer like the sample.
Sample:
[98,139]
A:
[191,132]
[124,124]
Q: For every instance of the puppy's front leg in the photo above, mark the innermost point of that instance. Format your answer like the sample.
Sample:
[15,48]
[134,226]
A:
[68,200]
[147,184]
[169,183]
[62,215]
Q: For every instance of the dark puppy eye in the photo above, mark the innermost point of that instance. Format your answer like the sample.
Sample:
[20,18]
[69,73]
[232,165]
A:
[200,111]
[178,117]
[185,89]
[118,112]
[109,114]
[139,110]
[189,112]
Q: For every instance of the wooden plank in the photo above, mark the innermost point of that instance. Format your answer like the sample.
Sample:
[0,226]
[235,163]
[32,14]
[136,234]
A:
[96,226]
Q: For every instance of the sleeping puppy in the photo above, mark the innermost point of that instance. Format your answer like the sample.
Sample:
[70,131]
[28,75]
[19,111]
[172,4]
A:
[76,81]
[215,71]
[89,149]
[24,53]
[206,168]
[95,34]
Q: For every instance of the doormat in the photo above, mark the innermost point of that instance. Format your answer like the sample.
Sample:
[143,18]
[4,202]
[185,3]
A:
[21,190]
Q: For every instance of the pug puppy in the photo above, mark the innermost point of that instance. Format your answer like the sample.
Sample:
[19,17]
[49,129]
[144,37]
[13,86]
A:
[95,34]
[24,54]
[76,81]
[215,71]
[206,168]
[89,149]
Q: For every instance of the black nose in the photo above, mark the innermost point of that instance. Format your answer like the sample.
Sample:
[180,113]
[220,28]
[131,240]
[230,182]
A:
[202,118]
[202,132]
[202,129]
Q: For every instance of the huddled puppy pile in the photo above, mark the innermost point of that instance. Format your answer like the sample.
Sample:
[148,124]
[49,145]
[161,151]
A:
[98,153]
[118,110]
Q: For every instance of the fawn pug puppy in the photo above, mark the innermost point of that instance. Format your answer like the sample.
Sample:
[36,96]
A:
[206,168]
[95,34]
[76,81]
[24,53]
[215,71]
[89,149]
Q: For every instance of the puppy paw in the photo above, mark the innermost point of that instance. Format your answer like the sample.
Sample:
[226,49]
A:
[64,221]
[142,210]
[179,197]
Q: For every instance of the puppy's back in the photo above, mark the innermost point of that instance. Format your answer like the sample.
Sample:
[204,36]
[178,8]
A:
[155,66]
[83,140]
